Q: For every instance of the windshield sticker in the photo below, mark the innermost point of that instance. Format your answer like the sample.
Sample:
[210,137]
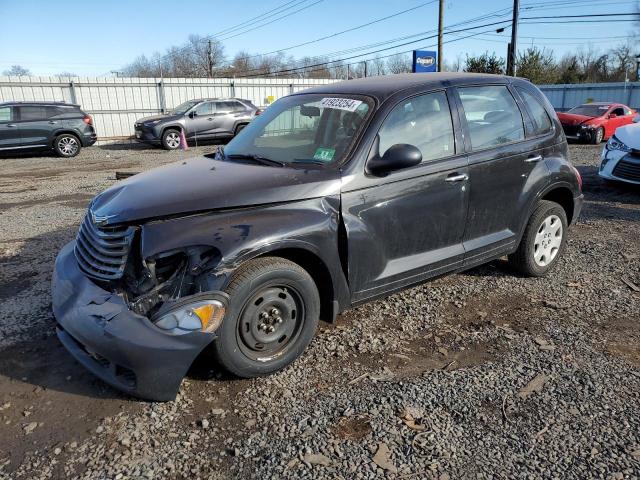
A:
[341,103]
[606,107]
[324,154]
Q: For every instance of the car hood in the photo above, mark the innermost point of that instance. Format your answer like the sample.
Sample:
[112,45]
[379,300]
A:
[629,135]
[202,184]
[573,119]
[157,117]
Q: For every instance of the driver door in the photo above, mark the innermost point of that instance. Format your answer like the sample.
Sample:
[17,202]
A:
[408,225]
[201,120]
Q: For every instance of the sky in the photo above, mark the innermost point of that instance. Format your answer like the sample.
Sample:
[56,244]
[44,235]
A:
[91,38]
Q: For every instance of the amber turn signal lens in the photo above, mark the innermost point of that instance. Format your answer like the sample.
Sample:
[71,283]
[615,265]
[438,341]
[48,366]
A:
[210,315]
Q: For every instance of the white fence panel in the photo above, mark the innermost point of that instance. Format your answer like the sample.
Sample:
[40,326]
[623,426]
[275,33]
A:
[116,103]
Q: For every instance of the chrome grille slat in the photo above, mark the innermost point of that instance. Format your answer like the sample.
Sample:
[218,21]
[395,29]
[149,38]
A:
[102,252]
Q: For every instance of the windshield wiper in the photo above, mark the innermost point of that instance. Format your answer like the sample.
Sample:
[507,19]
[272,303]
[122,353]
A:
[256,158]
[309,160]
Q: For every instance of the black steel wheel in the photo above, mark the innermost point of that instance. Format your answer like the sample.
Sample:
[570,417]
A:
[274,309]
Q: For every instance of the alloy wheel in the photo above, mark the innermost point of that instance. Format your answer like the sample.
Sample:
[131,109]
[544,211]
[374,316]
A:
[173,140]
[68,146]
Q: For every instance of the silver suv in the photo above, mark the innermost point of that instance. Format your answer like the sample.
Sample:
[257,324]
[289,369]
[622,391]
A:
[203,119]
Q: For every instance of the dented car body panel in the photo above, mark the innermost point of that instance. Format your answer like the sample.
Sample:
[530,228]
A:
[360,234]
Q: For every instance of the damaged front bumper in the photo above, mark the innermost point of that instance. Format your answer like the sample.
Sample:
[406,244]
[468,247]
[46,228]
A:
[124,349]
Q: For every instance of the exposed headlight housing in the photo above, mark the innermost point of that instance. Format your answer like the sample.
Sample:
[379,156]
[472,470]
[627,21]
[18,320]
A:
[615,144]
[197,313]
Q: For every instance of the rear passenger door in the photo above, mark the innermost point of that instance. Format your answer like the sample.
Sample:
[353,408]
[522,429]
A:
[9,129]
[501,159]
[36,125]
[229,113]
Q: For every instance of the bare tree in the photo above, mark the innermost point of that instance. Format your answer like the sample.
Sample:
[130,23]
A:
[538,65]
[399,63]
[378,66]
[17,71]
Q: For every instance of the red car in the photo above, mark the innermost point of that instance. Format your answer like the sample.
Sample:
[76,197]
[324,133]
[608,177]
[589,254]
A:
[595,122]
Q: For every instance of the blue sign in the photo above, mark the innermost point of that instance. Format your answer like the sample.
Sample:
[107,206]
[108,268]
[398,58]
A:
[424,61]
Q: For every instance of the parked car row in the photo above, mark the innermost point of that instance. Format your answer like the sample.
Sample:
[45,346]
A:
[595,122]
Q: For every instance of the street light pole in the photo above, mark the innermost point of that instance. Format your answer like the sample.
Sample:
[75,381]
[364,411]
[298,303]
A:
[511,58]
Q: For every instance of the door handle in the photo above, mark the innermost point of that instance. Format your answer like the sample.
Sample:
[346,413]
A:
[535,159]
[457,177]
[51,122]
[210,119]
[11,125]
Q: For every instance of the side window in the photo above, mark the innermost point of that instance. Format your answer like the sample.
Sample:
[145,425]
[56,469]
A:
[540,117]
[33,113]
[619,111]
[492,115]
[228,106]
[206,108]
[5,114]
[424,122]
[238,107]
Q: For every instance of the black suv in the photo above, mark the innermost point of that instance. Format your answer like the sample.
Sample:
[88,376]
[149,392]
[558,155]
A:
[202,119]
[45,125]
[332,197]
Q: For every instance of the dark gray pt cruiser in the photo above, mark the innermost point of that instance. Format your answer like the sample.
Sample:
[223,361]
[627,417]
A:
[332,197]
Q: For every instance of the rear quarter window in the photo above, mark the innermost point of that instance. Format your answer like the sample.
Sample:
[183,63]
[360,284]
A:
[541,120]
[5,114]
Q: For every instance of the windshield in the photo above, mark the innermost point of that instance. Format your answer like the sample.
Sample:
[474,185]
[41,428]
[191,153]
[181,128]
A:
[183,107]
[311,128]
[590,110]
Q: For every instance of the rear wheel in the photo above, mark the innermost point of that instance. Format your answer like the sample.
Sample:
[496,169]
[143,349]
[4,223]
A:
[171,139]
[67,145]
[543,242]
[239,128]
[598,136]
[273,313]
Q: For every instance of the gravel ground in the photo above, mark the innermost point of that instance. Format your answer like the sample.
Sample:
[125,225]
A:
[478,375]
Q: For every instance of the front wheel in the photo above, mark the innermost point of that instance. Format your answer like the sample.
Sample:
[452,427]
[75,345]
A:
[171,139]
[67,145]
[543,242]
[274,309]
[598,136]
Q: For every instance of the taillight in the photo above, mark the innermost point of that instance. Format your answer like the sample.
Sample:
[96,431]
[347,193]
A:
[88,120]
[258,112]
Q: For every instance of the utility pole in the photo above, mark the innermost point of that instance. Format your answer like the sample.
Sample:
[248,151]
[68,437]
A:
[440,28]
[513,48]
[209,61]
[365,68]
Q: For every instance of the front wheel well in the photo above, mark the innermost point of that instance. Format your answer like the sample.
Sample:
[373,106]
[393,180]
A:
[318,271]
[563,197]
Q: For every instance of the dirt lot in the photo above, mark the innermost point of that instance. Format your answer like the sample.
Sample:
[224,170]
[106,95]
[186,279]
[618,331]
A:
[478,375]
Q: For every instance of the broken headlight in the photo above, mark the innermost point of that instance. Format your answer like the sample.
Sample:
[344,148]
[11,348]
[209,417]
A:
[191,314]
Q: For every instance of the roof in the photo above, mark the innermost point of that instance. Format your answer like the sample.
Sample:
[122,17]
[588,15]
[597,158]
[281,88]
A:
[64,104]
[383,86]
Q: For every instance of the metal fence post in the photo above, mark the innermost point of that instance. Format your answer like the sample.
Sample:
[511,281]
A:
[291,88]
[630,95]
[232,86]
[564,93]
[72,89]
[162,99]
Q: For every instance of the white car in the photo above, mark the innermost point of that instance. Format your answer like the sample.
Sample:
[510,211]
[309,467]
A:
[620,159]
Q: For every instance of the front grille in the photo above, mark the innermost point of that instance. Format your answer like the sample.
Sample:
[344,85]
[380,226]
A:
[627,171]
[102,251]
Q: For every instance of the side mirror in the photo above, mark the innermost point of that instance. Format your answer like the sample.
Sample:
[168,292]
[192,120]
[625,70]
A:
[636,119]
[193,114]
[397,157]
[613,115]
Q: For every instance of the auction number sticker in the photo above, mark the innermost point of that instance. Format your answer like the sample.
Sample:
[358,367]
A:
[347,104]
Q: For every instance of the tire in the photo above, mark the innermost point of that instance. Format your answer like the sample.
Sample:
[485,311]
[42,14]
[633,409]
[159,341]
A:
[273,313]
[67,145]
[171,139]
[543,242]
[239,128]
[598,136]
